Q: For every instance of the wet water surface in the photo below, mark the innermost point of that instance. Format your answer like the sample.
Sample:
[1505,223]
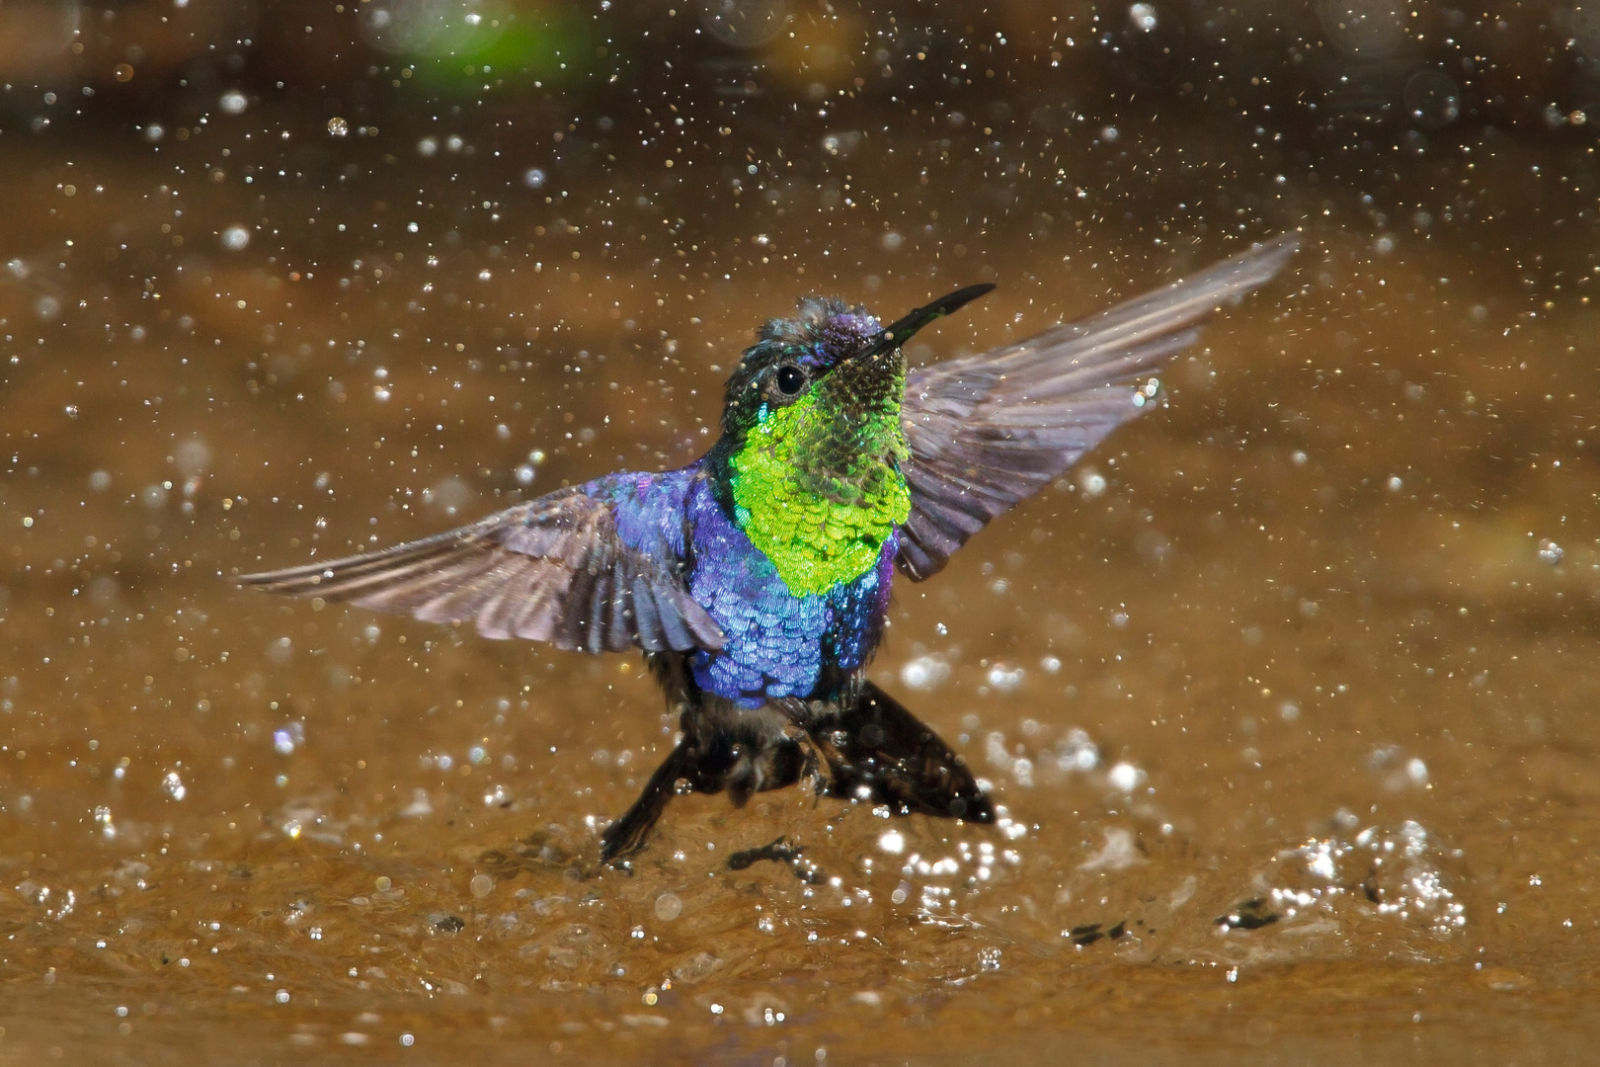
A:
[1284,696]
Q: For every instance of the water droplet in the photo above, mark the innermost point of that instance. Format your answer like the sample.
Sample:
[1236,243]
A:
[1125,777]
[285,739]
[1004,679]
[924,672]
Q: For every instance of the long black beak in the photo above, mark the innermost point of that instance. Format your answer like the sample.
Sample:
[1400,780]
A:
[900,331]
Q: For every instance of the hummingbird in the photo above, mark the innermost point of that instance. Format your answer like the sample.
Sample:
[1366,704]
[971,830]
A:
[756,579]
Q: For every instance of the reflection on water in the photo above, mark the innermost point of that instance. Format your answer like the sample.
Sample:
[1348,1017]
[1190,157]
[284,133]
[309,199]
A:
[1281,697]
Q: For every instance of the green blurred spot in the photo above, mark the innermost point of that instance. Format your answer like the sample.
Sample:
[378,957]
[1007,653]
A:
[528,45]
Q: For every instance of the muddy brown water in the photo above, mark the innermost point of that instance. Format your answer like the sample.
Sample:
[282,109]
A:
[1287,695]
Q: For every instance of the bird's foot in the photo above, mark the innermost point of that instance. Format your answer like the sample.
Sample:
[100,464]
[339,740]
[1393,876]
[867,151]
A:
[812,772]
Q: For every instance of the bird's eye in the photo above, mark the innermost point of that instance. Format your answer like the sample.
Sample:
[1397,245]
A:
[791,380]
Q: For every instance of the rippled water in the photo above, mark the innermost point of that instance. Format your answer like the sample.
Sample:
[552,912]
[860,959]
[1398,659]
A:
[1284,695]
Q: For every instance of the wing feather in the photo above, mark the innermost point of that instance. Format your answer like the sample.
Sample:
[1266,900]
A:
[554,569]
[989,430]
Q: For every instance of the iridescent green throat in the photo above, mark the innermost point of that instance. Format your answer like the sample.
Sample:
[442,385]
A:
[819,494]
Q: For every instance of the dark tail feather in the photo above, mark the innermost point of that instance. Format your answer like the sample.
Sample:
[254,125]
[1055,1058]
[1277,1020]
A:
[878,750]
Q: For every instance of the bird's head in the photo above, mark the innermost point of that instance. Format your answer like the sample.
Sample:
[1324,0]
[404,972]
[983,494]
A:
[834,360]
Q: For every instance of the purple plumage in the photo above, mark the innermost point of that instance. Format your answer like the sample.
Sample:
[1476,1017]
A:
[777,645]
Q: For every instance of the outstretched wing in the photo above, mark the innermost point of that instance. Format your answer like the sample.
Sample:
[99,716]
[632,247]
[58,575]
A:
[554,569]
[988,430]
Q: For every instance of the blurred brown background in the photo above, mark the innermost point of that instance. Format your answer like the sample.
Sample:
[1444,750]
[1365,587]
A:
[1285,693]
